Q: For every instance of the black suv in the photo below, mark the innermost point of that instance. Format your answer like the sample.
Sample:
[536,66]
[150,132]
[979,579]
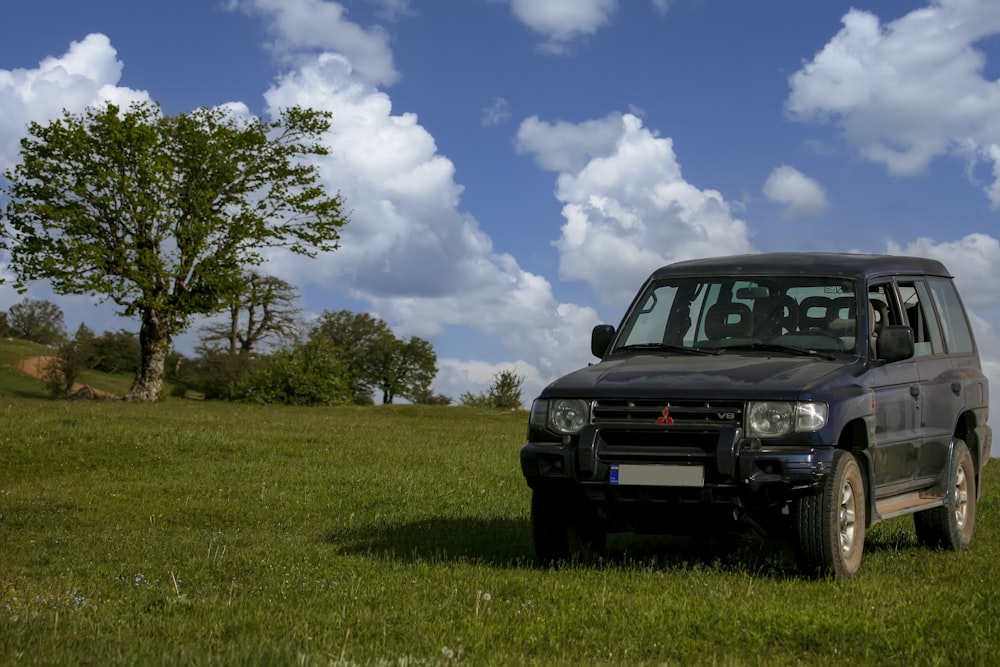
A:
[803,395]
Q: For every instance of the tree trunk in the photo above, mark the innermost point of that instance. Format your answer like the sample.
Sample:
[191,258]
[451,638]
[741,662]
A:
[154,344]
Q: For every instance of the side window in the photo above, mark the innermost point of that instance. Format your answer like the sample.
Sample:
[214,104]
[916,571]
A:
[926,335]
[957,337]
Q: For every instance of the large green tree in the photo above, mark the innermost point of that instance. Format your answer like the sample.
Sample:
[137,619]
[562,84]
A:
[163,214]
[357,337]
[375,358]
[404,368]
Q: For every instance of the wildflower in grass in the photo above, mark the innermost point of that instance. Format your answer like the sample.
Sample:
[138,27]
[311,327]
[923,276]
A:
[481,600]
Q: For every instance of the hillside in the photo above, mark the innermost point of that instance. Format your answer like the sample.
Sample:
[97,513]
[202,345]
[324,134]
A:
[22,365]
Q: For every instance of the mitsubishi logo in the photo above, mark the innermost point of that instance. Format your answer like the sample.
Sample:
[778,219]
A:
[665,418]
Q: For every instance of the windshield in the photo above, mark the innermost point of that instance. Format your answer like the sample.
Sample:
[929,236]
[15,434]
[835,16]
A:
[721,312]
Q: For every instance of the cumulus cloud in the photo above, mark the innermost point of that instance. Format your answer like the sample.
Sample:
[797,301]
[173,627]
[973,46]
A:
[628,209]
[322,24]
[796,192]
[86,75]
[563,21]
[910,90]
[974,260]
[564,146]
[408,250]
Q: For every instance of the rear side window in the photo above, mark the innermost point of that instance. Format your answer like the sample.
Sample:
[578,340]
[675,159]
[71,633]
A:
[919,315]
[957,337]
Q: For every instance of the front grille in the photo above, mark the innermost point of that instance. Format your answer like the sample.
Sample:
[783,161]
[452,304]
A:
[627,413]
[649,438]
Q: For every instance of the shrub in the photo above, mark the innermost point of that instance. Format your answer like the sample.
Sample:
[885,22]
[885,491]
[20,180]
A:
[311,374]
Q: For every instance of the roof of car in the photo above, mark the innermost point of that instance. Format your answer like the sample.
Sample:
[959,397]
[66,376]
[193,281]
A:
[830,264]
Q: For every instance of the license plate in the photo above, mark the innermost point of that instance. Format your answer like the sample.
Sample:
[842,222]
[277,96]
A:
[627,474]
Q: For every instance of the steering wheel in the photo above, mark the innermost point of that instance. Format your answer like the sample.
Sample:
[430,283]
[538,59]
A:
[815,331]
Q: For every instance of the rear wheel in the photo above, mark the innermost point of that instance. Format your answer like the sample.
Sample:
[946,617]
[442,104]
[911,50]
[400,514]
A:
[950,527]
[562,532]
[830,526]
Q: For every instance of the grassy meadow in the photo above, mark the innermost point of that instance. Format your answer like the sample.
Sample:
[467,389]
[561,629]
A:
[198,533]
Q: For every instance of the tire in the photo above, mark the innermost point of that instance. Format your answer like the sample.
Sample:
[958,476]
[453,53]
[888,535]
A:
[562,533]
[830,526]
[950,527]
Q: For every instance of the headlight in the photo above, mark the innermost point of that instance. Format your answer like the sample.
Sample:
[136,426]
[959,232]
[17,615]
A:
[567,415]
[770,419]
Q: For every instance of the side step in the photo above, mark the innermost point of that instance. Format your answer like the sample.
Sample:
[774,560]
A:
[906,503]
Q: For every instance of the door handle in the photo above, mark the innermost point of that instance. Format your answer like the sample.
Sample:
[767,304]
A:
[914,390]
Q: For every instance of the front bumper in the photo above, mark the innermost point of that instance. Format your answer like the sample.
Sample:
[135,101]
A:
[736,469]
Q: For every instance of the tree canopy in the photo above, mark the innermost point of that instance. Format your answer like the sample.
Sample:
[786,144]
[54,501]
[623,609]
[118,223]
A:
[37,320]
[162,215]
[375,358]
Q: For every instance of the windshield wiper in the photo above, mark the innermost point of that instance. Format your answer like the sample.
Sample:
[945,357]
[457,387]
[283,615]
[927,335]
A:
[667,348]
[784,349]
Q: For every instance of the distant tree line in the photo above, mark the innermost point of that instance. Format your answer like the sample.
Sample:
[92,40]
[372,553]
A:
[262,352]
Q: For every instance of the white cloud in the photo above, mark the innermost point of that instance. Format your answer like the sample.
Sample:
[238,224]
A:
[323,25]
[974,260]
[799,194]
[456,376]
[628,209]
[391,10]
[408,250]
[497,113]
[910,90]
[565,146]
[563,21]
[661,6]
[86,75]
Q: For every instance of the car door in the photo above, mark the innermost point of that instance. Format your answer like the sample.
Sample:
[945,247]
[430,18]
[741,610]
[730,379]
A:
[897,403]
[941,377]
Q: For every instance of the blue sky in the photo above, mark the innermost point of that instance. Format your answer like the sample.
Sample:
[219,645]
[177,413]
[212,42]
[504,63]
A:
[515,168]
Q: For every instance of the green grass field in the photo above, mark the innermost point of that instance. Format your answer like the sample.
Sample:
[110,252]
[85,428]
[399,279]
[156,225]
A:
[189,532]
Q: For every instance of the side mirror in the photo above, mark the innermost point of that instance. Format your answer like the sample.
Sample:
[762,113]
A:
[600,339]
[895,343]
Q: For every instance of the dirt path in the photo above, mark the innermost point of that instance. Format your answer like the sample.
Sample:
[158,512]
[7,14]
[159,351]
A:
[35,367]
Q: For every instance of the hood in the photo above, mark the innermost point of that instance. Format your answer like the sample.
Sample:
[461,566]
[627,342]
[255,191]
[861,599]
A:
[727,375]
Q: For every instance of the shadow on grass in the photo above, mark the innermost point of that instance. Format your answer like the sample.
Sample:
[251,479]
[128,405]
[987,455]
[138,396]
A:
[746,554]
[493,541]
[505,542]
[894,539]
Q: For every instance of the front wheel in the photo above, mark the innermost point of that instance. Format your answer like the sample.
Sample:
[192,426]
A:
[563,533]
[950,527]
[830,526]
